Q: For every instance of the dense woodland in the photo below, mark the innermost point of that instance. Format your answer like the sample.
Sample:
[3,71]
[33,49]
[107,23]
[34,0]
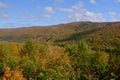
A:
[91,52]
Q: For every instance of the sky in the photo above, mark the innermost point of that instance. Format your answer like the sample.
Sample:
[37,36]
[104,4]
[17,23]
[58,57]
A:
[26,13]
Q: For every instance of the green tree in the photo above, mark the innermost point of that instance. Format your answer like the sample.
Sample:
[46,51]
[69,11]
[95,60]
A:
[28,48]
[80,55]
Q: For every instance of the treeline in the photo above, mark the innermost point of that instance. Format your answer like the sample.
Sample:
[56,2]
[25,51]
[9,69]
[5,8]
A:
[43,61]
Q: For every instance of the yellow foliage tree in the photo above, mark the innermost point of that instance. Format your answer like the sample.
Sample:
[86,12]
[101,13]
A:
[15,49]
[12,75]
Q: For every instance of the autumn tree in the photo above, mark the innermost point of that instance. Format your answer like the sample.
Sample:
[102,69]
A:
[27,48]
[12,75]
[80,55]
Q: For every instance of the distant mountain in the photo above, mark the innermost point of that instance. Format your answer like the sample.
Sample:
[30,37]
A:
[62,32]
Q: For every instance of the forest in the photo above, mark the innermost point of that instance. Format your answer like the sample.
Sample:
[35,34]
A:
[92,54]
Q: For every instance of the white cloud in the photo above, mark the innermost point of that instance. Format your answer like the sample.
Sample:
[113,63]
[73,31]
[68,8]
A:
[30,16]
[56,2]
[92,1]
[79,13]
[118,1]
[33,16]
[47,13]
[48,10]
[94,16]
[113,16]
[65,9]
[3,5]
[3,15]
[47,16]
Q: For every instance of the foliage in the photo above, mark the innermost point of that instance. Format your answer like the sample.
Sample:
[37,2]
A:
[94,58]
[12,75]
[87,64]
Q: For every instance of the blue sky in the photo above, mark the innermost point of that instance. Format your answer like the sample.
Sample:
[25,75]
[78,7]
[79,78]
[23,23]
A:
[25,13]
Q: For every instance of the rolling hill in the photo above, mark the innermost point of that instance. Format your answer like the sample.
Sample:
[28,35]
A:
[62,32]
[73,51]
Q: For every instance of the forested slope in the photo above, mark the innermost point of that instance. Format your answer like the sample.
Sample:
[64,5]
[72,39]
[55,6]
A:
[74,51]
[46,33]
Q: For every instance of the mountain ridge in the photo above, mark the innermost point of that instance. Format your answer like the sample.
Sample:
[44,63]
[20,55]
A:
[53,33]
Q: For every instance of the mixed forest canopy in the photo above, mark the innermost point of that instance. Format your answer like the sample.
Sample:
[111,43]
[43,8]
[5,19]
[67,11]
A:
[73,51]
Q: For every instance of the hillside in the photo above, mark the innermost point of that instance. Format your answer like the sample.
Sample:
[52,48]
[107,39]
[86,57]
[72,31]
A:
[104,37]
[73,51]
[58,33]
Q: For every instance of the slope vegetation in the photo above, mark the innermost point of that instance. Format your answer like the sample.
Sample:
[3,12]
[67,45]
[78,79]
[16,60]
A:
[62,32]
